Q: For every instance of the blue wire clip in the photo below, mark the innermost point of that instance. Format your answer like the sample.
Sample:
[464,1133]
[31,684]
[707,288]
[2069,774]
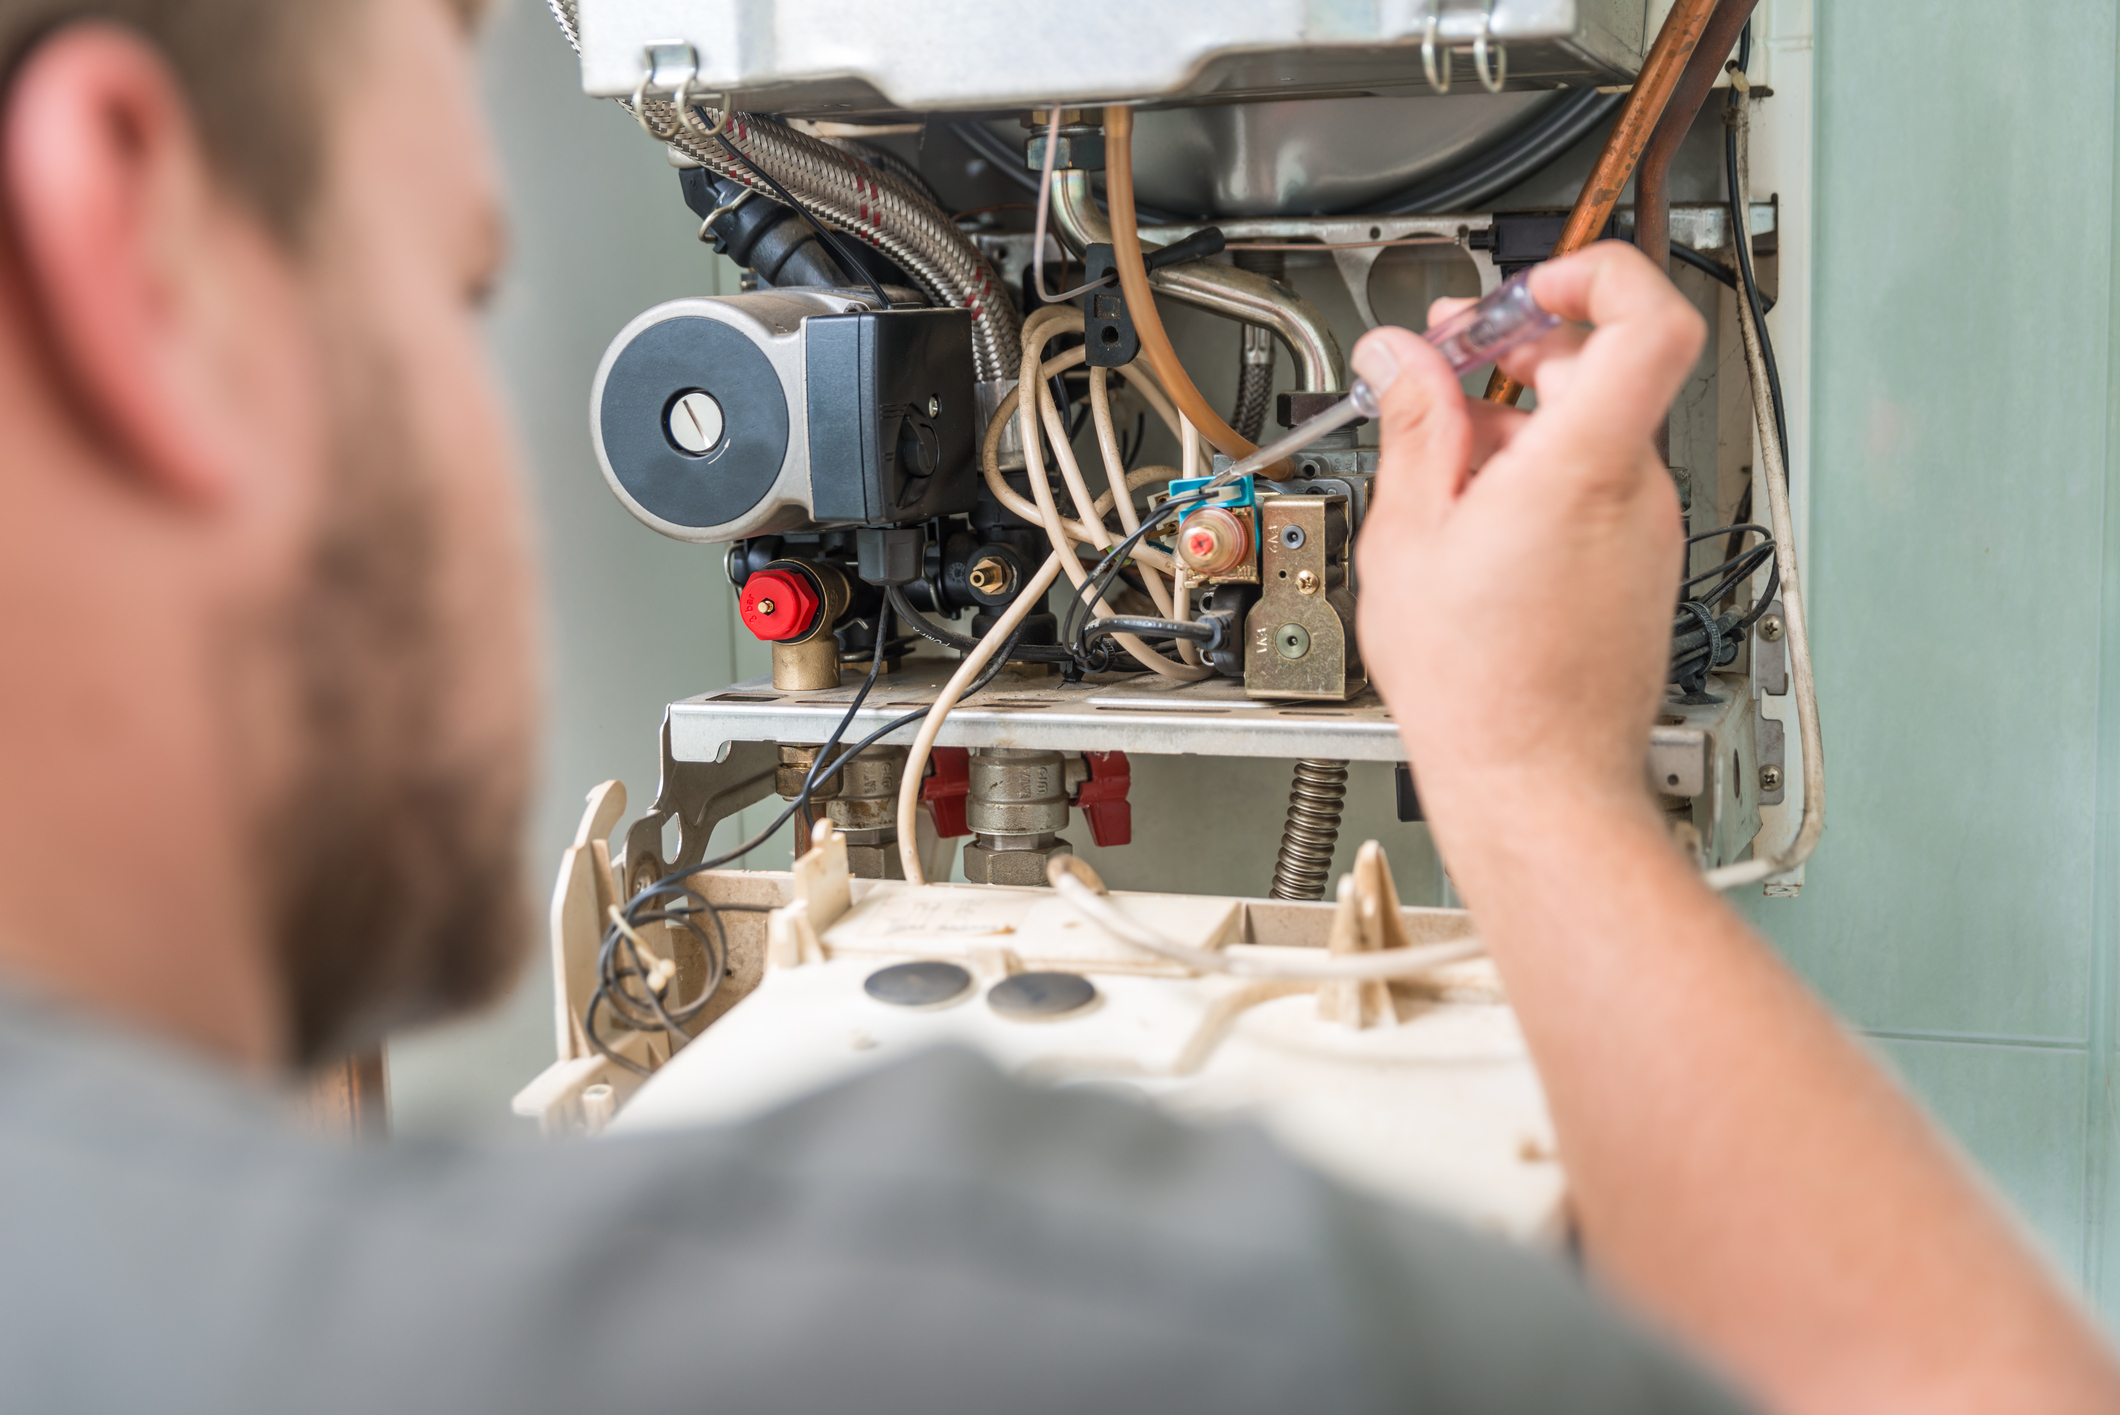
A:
[1238,493]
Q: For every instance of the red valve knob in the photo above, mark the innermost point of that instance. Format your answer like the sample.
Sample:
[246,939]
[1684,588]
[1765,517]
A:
[949,782]
[1213,541]
[1103,798]
[778,605]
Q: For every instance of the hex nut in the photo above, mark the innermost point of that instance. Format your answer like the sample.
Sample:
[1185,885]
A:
[875,861]
[1021,867]
[991,576]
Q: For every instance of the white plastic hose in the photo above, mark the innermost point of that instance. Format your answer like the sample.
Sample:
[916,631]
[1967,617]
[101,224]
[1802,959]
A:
[1030,409]
[931,725]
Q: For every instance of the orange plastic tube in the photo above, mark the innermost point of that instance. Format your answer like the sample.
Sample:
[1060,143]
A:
[1141,300]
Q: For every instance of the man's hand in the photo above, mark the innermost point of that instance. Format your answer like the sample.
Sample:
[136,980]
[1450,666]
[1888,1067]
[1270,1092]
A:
[1737,1165]
[1518,569]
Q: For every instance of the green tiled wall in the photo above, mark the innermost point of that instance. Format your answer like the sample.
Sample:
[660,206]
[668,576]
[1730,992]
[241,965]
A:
[1961,550]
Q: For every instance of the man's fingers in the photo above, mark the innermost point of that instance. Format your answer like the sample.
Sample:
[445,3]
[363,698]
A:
[1528,363]
[1493,428]
[1646,339]
[1446,306]
[1426,432]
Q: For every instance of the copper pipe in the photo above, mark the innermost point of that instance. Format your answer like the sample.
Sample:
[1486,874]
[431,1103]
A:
[1140,301]
[1652,187]
[1653,86]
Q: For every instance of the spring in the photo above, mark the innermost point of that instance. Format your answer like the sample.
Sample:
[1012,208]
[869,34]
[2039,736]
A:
[1314,804]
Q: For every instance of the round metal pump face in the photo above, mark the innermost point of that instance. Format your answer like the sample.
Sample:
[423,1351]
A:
[1041,997]
[926,983]
[693,422]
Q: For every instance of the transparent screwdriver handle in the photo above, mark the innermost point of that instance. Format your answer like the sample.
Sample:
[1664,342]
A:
[1470,338]
[1494,326]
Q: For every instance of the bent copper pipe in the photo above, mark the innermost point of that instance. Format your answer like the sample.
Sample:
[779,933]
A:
[1224,289]
[1652,187]
[1653,87]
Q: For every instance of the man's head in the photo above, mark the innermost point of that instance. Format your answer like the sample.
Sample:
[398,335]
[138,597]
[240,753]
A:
[263,591]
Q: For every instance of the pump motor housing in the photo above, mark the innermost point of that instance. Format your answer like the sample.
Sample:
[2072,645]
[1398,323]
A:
[721,417]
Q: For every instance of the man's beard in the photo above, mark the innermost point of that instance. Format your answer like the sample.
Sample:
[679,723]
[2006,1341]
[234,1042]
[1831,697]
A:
[391,863]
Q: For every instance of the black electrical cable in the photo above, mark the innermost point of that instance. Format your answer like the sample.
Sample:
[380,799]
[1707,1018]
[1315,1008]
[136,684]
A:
[1741,241]
[1145,627]
[1114,560]
[1714,269]
[1701,640]
[824,232]
[646,1013]
[934,633]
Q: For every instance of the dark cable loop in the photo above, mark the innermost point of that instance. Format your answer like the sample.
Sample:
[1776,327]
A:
[611,974]
[824,233]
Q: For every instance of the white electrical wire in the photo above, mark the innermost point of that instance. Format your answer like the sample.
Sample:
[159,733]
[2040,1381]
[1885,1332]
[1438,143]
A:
[1030,410]
[1045,202]
[1078,884]
[1775,474]
[1100,407]
[931,725]
[990,464]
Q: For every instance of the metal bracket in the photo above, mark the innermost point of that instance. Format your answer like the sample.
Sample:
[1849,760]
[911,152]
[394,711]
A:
[701,795]
[1770,652]
[1773,761]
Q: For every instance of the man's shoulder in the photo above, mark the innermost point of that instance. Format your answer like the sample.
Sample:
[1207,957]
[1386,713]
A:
[932,1235]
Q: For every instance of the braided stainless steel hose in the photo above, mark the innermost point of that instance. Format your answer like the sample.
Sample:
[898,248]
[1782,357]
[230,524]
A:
[871,205]
[1255,359]
[1314,804]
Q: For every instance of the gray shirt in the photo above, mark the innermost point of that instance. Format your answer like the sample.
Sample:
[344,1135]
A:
[932,1238]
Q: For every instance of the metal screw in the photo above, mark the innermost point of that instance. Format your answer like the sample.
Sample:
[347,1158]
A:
[695,423]
[934,407]
[1306,582]
[1770,778]
[765,606]
[1772,628]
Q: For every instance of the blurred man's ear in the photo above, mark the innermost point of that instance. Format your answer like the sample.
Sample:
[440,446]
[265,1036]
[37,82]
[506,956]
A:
[142,274]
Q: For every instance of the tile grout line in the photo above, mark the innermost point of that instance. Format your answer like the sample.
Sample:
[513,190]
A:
[1984,1039]
[2098,1127]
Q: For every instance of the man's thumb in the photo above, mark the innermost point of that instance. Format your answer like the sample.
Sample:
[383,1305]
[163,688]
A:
[1424,432]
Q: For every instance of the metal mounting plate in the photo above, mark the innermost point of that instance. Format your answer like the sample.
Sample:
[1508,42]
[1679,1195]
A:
[1106,713]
